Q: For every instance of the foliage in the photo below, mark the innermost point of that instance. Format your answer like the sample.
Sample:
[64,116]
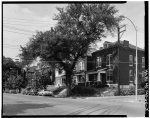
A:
[78,26]
[130,91]
[12,74]
[44,81]
[83,91]
[14,82]
[142,84]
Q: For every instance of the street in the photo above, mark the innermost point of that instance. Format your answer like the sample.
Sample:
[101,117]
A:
[17,104]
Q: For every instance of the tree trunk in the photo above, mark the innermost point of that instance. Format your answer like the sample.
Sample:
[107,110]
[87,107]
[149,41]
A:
[68,82]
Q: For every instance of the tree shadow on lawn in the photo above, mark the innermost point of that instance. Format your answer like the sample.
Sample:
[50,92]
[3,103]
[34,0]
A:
[14,109]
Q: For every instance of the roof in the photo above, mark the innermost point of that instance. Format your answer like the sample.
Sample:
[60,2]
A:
[131,46]
[121,42]
[90,51]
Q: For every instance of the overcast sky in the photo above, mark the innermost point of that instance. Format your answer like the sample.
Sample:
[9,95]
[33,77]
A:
[20,21]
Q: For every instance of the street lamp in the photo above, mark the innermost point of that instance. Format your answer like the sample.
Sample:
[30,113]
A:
[136,56]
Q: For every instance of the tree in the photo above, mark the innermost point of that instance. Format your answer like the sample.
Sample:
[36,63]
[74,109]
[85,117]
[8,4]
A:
[12,74]
[8,63]
[78,26]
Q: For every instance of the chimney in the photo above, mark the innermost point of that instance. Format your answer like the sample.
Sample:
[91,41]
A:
[126,43]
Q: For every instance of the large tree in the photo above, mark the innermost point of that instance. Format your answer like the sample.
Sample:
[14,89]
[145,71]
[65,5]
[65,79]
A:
[78,26]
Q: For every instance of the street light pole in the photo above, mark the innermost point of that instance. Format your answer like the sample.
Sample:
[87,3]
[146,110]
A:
[136,58]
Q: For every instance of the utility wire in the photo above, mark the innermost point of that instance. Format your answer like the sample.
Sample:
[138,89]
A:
[19,29]
[27,25]
[25,19]
[17,32]
[10,45]
[26,22]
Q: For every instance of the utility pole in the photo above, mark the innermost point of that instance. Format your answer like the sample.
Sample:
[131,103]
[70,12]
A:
[119,37]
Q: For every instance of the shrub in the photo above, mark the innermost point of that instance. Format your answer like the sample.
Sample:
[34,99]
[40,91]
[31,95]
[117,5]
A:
[142,84]
[102,86]
[83,91]
[130,91]
[141,92]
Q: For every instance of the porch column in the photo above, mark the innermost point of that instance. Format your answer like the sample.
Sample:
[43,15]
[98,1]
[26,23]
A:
[99,77]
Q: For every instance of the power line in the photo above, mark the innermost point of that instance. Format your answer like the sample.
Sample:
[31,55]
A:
[25,19]
[10,45]
[19,29]
[11,48]
[26,22]
[17,32]
[14,38]
[27,25]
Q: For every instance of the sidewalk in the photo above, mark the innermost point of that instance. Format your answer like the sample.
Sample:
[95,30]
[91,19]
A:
[132,98]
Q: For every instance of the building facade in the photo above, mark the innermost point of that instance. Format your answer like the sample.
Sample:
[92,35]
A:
[115,64]
[111,64]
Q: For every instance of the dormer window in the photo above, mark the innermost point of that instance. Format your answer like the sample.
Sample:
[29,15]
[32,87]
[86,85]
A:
[105,45]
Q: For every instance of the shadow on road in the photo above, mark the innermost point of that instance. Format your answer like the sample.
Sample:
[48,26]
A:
[14,109]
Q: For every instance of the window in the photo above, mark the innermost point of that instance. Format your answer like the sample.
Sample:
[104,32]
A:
[98,61]
[109,60]
[130,60]
[143,62]
[135,60]
[131,75]
[82,65]
[109,78]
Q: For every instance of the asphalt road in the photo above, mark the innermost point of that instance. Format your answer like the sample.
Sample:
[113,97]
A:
[17,104]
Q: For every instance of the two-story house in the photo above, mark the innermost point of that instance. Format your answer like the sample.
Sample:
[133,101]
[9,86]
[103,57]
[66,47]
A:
[83,65]
[105,61]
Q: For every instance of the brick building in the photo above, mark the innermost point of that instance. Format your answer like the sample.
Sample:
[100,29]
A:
[102,66]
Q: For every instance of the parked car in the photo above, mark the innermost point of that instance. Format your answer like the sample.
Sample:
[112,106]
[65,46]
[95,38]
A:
[13,91]
[33,92]
[45,93]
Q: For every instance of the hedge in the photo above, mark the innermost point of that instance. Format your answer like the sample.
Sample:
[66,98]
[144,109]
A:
[83,91]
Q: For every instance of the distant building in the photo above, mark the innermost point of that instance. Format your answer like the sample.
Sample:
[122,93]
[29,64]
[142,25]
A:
[60,77]
[82,67]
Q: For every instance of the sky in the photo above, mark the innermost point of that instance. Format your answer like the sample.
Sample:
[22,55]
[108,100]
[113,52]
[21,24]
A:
[21,21]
